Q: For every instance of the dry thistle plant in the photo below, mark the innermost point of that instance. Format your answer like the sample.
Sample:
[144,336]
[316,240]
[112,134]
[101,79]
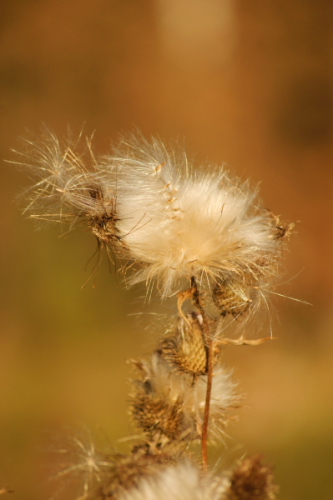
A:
[201,237]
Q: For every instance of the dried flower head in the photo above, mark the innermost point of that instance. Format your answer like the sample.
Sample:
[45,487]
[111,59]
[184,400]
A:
[148,205]
[184,347]
[168,405]
[127,471]
[98,475]
[252,480]
[179,223]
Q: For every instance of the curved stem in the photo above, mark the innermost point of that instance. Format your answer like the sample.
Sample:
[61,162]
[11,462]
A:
[204,436]
[208,340]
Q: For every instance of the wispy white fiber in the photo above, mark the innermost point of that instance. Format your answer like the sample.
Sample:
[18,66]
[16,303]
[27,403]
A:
[180,222]
[80,464]
[179,482]
[152,208]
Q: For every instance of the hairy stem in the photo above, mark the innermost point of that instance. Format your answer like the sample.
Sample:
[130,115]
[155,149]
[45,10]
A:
[208,340]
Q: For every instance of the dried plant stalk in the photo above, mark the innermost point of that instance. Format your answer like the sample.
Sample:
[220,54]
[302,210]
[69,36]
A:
[202,236]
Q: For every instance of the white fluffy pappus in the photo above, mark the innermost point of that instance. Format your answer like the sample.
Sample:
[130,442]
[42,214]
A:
[180,482]
[148,205]
[179,222]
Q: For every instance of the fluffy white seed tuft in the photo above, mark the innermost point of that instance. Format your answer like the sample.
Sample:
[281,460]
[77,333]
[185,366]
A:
[179,223]
[180,482]
[148,205]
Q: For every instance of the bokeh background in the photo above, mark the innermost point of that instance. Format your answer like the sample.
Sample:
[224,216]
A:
[245,83]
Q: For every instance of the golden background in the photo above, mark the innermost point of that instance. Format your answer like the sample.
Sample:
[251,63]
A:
[246,83]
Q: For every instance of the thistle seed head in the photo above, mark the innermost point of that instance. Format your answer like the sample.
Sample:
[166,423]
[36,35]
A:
[252,481]
[235,294]
[71,186]
[127,471]
[184,348]
[157,402]
[168,404]
[200,223]
[155,416]
[148,205]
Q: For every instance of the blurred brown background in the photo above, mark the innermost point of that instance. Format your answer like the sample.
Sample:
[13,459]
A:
[246,83]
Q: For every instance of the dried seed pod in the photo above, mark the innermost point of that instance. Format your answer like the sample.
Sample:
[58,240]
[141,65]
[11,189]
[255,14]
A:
[185,347]
[233,297]
[168,404]
[73,187]
[282,229]
[95,203]
[252,481]
[126,472]
[154,415]
[237,294]
[157,401]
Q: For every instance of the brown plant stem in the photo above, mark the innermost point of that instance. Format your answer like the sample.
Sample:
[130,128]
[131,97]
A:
[208,340]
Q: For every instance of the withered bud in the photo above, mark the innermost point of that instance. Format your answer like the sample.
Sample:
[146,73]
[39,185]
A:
[185,349]
[282,229]
[168,404]
[233,296]
[157,402]
[252,481]
[126,471]
[154,415]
